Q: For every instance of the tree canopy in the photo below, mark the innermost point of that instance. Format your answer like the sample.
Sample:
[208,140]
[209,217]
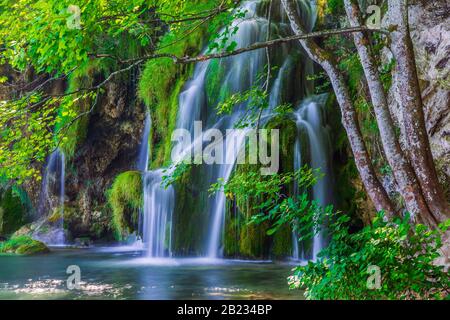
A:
[43,42]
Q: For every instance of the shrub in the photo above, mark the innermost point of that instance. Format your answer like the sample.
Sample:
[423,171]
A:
[403,253]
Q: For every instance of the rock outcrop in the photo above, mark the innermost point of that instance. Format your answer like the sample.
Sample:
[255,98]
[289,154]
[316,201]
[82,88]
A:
[430,32]
[111,147]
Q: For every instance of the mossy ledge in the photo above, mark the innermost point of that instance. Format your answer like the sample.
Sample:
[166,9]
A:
[125,200]
[23,245]
[14,204]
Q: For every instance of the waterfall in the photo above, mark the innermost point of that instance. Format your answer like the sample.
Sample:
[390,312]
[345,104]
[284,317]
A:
[158,208]
[52,196]
[158,203]
[309,118]
[212,82]
[237,74]
[144,150]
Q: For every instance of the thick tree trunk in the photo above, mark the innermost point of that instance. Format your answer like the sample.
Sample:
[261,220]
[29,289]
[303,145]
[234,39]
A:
[412,109]
[403,172]
[349,117]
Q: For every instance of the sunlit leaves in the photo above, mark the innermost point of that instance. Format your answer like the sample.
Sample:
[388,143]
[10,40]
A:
[26,136]
[47,38]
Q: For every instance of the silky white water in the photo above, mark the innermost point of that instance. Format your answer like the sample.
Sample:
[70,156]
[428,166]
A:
[158,204]
[237,74]
[309,118]
[52,198]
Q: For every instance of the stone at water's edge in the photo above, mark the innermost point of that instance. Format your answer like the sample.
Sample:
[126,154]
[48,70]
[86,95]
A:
[23,245]
[45,229]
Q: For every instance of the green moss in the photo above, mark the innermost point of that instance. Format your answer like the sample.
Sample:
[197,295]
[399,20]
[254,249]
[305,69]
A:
[214,84]
[282,243]
[165,118]
[288,133]
[189,220]
[244,239]
[162,81]
[252,240]
[13,209]
[24,245]
[125,200]
[74,132]
[232,232]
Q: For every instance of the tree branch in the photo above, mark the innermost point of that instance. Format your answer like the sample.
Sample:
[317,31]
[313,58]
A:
[185,60]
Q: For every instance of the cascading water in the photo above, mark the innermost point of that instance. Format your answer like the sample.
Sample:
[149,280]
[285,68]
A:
[144,150]
[158,203]
[198,101]
[309,119]
[158,208]
[52,198]
[237,74]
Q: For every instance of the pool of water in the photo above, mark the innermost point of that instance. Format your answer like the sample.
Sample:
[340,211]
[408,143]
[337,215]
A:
[118,273]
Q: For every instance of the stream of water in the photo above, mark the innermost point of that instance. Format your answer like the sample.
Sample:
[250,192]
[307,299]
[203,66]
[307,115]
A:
[309,118]
[51,199]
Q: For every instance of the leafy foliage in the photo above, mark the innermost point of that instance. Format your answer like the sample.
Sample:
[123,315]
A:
[403,253]
[13,207]
[274,205]
[49,40]
[255,100]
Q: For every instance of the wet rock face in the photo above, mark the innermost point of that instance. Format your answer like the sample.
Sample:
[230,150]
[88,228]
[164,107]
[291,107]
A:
[111,147]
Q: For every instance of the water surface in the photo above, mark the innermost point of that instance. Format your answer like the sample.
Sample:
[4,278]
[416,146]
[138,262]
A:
[117,273]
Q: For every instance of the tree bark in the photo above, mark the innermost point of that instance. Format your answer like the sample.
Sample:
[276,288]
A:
[402,170]
[412,109]
[349,117]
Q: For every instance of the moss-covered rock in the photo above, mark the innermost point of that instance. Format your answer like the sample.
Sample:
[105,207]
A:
[190,223]
[13,210]
[282,243]
[23,245]
[125,200]
[288,134]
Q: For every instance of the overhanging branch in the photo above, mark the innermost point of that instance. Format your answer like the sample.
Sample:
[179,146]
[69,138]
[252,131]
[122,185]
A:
[258,45]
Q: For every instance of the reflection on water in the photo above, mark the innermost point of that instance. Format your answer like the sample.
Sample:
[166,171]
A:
[117,273]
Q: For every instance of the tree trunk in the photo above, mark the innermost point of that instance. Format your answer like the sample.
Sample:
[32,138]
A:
[412,109]
[349,117]
[402,170]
